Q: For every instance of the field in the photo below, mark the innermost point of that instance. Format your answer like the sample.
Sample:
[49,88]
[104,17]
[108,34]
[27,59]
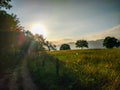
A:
[97,69]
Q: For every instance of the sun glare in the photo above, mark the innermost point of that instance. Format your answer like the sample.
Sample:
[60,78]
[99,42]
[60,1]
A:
[39,29]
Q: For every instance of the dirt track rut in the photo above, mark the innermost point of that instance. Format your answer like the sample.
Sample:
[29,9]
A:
[19,79]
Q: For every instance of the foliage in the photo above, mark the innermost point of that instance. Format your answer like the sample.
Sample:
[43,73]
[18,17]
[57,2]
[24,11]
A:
[9,29]
[50,46]
[81,43]
[110,42]
[5,4]
[9,61]
[26,45]
[39,42]
[65,47]
[40,39]
[9,22]
[36,46]
[118,43]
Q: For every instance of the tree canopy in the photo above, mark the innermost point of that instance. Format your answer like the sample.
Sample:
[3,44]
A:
[50,46]
[110,42]
[9,27]
[9,22]
[5,4]
[65,47]
[81,43]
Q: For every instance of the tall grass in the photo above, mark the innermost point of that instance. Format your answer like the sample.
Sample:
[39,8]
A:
[9,61]
[79,69]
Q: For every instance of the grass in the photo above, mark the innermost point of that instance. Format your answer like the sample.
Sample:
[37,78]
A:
[93,69]
[9,61]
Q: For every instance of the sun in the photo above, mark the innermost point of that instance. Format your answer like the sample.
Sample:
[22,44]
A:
[39,29]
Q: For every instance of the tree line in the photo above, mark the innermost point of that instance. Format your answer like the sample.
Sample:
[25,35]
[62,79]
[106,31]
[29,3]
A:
[109,42]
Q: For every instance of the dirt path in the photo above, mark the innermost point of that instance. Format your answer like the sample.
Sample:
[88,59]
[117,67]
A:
[27,81]
[19,79]
[3,81]
[13,85]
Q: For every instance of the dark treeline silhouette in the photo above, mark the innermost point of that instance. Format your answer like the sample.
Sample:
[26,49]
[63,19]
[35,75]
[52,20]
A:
[108,42]
[81,43]
[5,4]
[65,47]
[9,28]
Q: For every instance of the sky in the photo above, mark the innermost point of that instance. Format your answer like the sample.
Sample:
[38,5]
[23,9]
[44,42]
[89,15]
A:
[68,19]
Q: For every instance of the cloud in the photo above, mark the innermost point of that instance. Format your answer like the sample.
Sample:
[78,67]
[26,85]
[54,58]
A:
[114,32]
[61,41]
[77,19]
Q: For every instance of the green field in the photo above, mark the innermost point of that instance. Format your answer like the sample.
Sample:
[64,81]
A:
[91,69]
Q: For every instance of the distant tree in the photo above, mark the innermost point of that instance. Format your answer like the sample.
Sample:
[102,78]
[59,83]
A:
[50,46]
[118,44]
[110,42]
[42,42]
[81,43]
[53,46]
[65,47]
[5,4]
[37,46]
[40,38]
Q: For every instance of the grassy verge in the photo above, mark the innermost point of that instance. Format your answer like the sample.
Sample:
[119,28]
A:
[9,61]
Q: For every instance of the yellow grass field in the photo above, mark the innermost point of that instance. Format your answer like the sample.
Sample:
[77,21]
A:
[91,69]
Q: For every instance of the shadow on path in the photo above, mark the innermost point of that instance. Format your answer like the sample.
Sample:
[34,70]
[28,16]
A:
[18,79]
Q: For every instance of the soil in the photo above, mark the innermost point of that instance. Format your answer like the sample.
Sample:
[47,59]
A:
[18,79]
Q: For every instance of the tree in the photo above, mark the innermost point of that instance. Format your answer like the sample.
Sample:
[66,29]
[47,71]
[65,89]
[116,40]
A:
[9,29]
[81,43]
[110,42]
[9,22]
[42,42]
[50,46]
[53,46]
[36,46]
[65,47]
[118,44]
[40,38]
[5,4]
